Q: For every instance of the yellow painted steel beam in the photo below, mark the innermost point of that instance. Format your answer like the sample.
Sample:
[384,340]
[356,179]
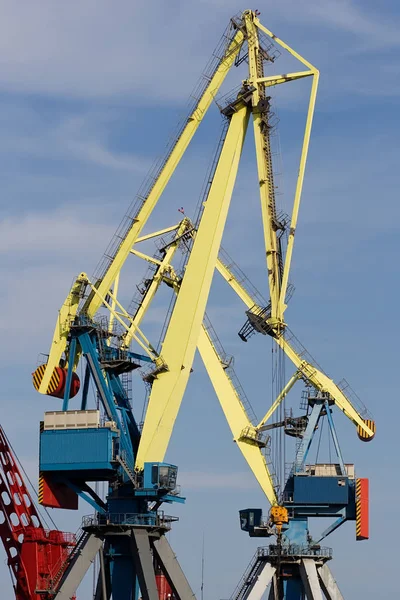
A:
[183,330]
[284,78]
[281,396]
[164,268]
[264,169]
[138,335]
[233,282]
[282,44]
[277,282]
[318,379]
[299,188]
[325,384]
[66,315]
[146,257]
[235,415]
[94,302]
[113,306]
[154,234]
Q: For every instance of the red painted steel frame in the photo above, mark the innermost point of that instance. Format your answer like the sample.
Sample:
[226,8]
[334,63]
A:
[36,557]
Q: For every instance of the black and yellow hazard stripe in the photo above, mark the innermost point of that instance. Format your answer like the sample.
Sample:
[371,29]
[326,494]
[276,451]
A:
[362,434]
[41,488]
[41,478]
[358,507]
[54,380]
[38,376]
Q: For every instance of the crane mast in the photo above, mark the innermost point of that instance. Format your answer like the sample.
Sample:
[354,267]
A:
[106,443]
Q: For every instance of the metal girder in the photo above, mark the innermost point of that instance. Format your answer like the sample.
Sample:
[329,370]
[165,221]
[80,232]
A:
[310,372]
[180,340]
[274,593]
[309,577]
[172,570]
[264,167]
[258,588]
[172,162]
[303,158]
[328,583]
[306,440]
[163,268]
[94,302]
[323,383]
[281,396]
[103,586]
[235,414]
[78,567]
[277,277]
[66,314]
[143,561]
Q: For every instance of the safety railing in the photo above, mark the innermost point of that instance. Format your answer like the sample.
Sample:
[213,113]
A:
[158,519]
[295,550]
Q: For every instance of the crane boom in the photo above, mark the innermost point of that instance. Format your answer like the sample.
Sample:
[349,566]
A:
[140,220]
[310,372]
[244,433]
[181,337]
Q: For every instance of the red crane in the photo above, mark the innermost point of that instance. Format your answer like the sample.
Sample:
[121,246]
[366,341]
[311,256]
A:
[36,557]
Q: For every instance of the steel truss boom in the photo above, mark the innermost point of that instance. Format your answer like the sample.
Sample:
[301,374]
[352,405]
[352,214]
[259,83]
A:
[309,371]
[95,301]
[180,341]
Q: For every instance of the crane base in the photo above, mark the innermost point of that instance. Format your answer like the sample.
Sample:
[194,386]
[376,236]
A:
[134,551]
[289,576]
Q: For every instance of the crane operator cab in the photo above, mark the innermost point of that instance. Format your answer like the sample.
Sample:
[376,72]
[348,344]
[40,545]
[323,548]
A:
[159,481]
[160,476]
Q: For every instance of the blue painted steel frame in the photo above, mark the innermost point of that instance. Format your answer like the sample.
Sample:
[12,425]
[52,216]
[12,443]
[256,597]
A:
[71,359]
[334,437]
[304,447]
[89,348]
[124,582]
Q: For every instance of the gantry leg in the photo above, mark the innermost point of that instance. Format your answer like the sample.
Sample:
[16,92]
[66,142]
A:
[172,569]
[309,577]
[79,567]
[261,582]
[103,586]
[274,590]
[328,584]
[143,560]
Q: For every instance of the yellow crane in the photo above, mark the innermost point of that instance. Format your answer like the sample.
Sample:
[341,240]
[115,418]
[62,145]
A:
[186,330]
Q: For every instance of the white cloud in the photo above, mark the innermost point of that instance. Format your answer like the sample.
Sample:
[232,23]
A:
[348,16]
[58,232]
[76,137]
[98,49]
[92,48]
[41,256]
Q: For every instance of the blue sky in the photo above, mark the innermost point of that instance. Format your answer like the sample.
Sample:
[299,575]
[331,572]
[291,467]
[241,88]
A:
[89,92]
